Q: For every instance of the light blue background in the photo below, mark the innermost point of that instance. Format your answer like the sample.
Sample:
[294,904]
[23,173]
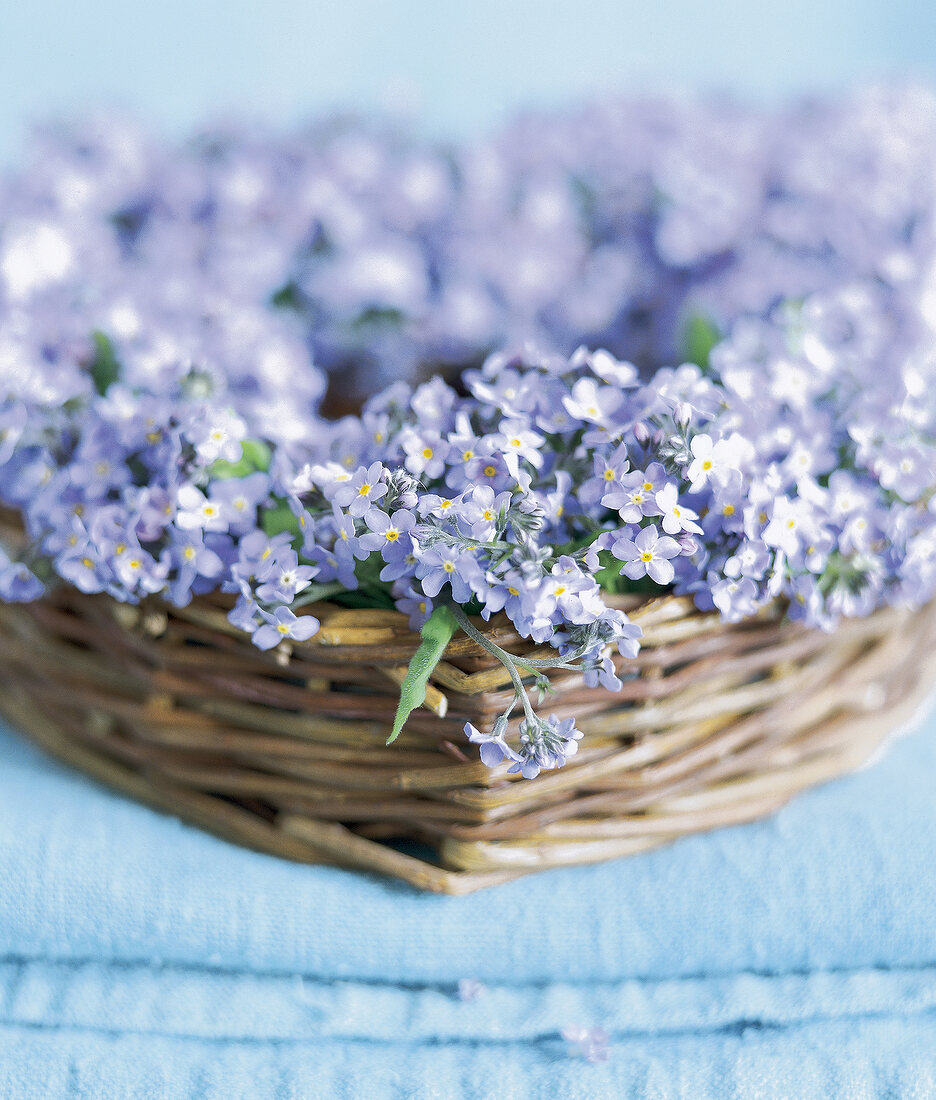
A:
[459,66]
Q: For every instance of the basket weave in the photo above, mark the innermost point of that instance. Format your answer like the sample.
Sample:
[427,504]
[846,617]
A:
[284,751]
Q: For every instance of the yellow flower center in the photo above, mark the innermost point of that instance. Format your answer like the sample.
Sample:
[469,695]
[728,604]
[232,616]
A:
[87,563]
[609,475]
[728,510]
[427,452]
[467,455]
[646,556]
[490,471]
[448,567]
[560,590]
[513,591]
[392,534]
[707,464]
[189,553]
[283,628]
[648,485]
[364,490]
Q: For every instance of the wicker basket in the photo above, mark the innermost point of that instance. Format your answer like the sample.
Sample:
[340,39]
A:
[284,751]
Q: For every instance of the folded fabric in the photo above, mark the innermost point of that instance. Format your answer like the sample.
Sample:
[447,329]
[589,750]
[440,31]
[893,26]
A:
[791,958]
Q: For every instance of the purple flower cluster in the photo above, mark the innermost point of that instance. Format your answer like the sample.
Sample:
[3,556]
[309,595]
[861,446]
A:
[160,425]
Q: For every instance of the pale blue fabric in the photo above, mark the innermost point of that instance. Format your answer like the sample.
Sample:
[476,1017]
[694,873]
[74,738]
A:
[792,958]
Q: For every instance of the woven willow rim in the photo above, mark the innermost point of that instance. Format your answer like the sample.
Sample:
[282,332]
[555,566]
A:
[284,752]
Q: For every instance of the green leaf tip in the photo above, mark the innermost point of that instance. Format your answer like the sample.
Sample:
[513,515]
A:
[105,367]
[279,517]
[699,336]
[255,455]
[436,634]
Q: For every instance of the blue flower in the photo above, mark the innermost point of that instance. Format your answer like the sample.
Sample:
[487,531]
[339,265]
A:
[440,565]
[363,491]
[281,625]
[191,559]
[648,554]
[494,749]
[239,499]
[17,583]
[545,744]
[286,578]
[81,567]
[633,497]
[426,452]
[391,535]
[196,510]
[417,605]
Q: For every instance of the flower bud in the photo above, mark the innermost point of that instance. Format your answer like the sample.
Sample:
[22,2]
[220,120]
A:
[641,433]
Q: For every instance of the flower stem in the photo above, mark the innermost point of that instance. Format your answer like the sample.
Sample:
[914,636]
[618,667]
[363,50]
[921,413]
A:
[501,654]
[316,592]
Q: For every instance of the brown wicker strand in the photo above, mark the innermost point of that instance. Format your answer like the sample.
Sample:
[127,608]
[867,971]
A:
[717,724]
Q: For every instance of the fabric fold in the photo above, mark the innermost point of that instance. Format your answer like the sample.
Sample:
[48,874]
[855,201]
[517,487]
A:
[872,1059]
[238,1007]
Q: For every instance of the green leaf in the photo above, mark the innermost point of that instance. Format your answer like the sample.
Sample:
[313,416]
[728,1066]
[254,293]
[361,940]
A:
[279,518]
[699,336]
[608,575]
[289,296]
[368,572]
[255,455]
[436,634]
[105,367]
[378,316]
[366,597]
